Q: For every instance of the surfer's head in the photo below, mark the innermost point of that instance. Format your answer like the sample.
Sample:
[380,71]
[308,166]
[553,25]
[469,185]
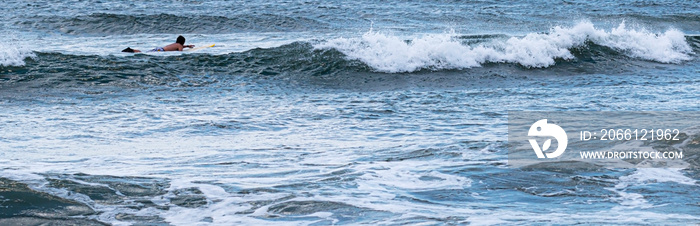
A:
[180,40]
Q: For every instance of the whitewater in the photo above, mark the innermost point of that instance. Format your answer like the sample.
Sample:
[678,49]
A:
[328,113]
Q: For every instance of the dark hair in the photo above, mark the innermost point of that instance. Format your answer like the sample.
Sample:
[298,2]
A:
[128,50]
[180,40]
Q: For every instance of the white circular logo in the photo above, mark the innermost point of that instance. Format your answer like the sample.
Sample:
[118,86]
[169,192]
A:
[542,129]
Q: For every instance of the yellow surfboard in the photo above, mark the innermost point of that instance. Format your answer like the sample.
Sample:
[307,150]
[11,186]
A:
[200,47]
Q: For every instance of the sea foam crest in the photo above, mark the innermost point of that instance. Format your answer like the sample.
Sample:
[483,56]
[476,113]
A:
[14,56]
[387,53]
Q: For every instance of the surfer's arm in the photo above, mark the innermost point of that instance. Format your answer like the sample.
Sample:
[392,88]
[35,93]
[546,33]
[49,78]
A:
[188,46]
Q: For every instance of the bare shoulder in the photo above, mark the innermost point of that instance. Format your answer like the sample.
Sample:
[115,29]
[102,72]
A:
[173,47]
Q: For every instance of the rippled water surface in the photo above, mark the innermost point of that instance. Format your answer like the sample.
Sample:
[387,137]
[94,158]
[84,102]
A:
[331,112]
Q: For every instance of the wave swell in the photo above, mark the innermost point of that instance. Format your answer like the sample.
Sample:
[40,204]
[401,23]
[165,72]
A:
[65,70]
[391,54]
[568,53]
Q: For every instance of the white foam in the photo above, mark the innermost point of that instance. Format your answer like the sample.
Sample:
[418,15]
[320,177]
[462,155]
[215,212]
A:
[656,175]
[646,176]
[14,55]
[388,53]
[406,180]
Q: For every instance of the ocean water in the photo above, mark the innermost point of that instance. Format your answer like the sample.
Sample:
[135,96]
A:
[331,112]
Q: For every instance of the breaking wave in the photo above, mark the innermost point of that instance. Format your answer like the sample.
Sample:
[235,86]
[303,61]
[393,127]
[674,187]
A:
[578,49]
[387,53]
[13,55]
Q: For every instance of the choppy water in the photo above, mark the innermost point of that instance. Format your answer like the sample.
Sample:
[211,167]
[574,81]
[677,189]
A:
[331,112]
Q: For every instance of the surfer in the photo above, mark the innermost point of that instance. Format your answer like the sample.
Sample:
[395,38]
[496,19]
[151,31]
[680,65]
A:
[179,45]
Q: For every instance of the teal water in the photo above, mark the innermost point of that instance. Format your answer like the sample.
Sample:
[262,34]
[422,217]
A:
[331,112]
